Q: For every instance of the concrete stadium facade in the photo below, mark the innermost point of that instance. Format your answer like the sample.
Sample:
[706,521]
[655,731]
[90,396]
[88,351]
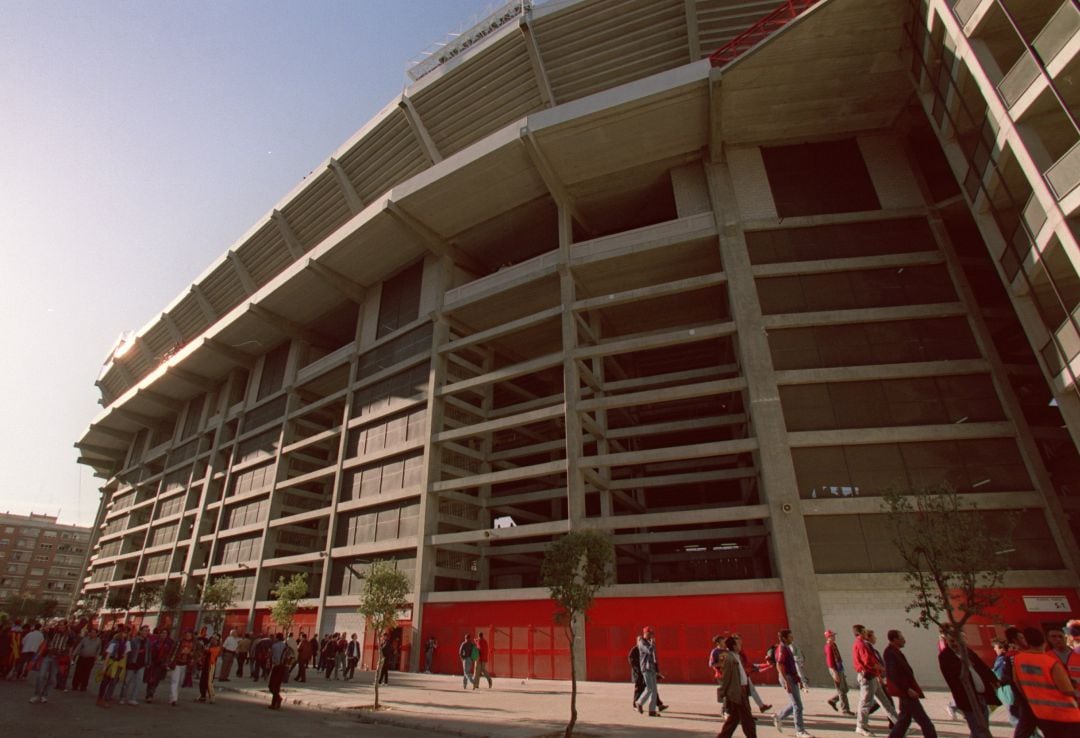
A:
[577,276]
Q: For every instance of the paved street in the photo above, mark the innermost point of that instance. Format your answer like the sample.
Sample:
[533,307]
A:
[232,714]
[426,705]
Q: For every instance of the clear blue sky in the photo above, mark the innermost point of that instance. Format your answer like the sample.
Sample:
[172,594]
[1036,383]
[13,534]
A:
[138,140]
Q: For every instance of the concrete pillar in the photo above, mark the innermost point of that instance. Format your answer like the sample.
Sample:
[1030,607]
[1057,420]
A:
[778,485]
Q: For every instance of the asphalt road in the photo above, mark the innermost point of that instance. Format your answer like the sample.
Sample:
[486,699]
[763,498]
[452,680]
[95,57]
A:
[232,715]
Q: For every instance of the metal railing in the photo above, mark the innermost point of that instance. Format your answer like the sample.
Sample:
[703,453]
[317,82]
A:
[765,27]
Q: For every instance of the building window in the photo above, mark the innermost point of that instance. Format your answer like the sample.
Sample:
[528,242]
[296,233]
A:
[273,373]
[41,558]
[46,546]
[37,572]
[49,534]
[399,303]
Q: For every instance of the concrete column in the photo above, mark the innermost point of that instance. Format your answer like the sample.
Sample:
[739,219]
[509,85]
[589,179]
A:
[428,517]
[778,485]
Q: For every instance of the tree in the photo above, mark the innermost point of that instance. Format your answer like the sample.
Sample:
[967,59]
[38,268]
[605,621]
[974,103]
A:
[288,596]
[117,599]
[217,597]
[953,561]
[575,568]
[144,596]
[385,590]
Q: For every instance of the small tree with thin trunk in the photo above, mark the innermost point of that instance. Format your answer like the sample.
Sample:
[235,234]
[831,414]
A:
[288,596]
[954,562]
[385,592]
[172,598]
[575,568]
[217,597]
[145,595]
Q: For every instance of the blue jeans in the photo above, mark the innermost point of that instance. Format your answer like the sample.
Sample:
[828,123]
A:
[794,707]
[466,672]
[911,709]
[46,673]
[650,691]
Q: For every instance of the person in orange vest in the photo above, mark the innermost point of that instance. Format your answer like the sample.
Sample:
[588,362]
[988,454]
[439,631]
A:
[1045,683]
[1072,633]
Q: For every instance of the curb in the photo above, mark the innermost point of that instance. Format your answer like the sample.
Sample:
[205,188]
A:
[363,716]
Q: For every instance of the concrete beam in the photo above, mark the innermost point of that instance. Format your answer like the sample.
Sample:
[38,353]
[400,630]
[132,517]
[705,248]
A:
[234,355]
[339,282]
[242,273]
[352,197]
[537,63]
[292,243]
[427,144]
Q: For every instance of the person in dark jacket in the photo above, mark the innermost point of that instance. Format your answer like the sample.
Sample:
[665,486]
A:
[900,682]
[981,678]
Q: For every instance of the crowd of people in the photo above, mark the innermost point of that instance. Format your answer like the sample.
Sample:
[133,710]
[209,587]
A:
[127,663]
[1035,676]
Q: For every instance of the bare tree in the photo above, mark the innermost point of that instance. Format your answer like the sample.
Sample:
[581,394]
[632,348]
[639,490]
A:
[954,562]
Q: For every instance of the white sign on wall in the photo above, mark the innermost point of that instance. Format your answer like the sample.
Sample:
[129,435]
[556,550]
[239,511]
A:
[1046,603]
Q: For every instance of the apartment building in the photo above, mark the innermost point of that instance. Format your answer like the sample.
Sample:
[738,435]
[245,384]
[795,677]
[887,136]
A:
[41,559]
[710,276]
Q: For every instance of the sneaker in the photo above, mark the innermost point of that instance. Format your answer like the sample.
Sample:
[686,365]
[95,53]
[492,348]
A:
[34,700]
[832,704]
[661,708]
[864,731]
[765,708]
[848,713]
[43,700]
[776,723]
[802,734]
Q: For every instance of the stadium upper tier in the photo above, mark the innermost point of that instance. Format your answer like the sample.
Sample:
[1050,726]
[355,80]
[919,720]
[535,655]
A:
[542,111]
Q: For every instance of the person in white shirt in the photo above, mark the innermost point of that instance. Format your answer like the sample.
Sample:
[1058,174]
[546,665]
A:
[228,653]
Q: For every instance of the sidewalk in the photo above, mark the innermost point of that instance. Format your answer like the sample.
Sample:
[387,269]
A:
[437,705]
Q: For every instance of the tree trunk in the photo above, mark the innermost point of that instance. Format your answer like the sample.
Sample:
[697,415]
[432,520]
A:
[969,686]
[378,672]
[573,680]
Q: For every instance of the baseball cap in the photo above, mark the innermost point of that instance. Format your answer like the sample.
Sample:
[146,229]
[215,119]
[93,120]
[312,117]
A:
[830,633]
[646,629]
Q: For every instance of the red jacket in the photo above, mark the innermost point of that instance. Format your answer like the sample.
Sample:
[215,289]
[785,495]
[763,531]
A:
[863,658]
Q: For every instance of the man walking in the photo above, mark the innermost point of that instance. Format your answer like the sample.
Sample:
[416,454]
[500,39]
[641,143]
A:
[735,691]
[277,670]
[836,670]
[980,678]
[789,679]
[54,643]
[869,672]
[228,653]
[1047,687]
[85,655]
[136,666]
[649,670]
[352,656]
[430,645]
[901,683]
[480,667]
[465,652]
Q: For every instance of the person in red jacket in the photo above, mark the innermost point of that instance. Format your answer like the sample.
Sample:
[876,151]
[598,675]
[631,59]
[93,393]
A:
[836,670]
[869,671]
[480,667]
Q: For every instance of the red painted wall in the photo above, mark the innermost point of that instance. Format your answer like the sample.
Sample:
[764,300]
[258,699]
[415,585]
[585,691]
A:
[526,643]
[1011,610]
[522,635]
[684,629]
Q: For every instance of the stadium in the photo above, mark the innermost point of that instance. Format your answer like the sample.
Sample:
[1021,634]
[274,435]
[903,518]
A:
[710,276]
